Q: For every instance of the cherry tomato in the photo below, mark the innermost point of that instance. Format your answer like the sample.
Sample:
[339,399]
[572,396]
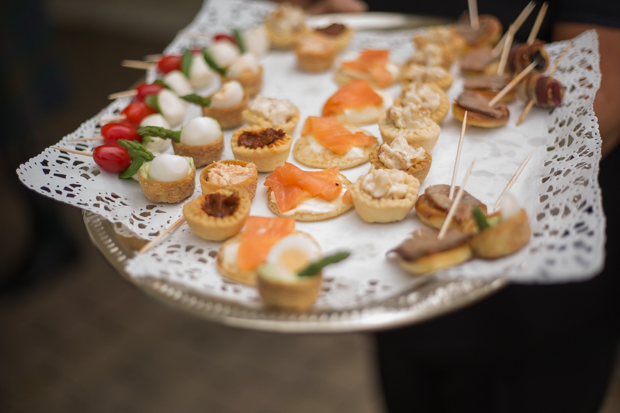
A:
[223,36]
[114,131]
[169,63]
[112,158]
[146,89]
[136,111]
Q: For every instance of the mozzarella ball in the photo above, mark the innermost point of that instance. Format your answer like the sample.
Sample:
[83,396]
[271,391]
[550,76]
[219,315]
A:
[257,40]
[245,62]
[158,145]
[200,74]
[201,131]
[169,168]
[171,107]
[224,53]
[178,82]
[230,94]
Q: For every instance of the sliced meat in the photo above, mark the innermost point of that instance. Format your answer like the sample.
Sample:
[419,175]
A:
[477,103]
[487,82]
[425,242]
[438,195]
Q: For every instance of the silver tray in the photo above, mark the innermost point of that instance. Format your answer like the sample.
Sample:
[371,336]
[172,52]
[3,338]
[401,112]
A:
[429,298]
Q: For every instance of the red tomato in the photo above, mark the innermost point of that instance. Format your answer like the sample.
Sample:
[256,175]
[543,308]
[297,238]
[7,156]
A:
[169,63]
[112,158]
[146,89]
[223,36]
[114,131]
[136,111]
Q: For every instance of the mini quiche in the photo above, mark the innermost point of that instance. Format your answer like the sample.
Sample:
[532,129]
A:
[267,148]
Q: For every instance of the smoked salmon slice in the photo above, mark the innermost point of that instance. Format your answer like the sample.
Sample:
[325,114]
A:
[291,185]
[259,235]
[333,135]
[354,95]
[372,62]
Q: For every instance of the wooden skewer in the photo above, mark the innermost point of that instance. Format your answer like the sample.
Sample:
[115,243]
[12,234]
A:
[92,138]
[512,180]
[512,84]
[123,94]
[458,156]
[112,119]
[138,64]
[537,23]
[473,14]
[71,151]
[521,18]
[455,203]
[530,104]
[506,52]
[160,236]
[153,58]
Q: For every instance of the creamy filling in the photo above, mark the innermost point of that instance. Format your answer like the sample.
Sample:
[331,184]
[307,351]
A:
[245,63]
[400,155]
[423,95]
[316,147]
[276,111]
[424,73]
[178,82]
[231,94]
[315,205]
[201,131]
[409,116]
[385,183]
[360,115]
[429,55]
[225,174]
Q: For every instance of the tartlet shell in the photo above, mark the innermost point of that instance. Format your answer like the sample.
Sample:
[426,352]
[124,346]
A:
[249,185]
[437,261]
[286,41]
[295,296]
[251,82]
[253,119]
[419,170]
[503,239]
[266,158]
[202,154]
[315,62]
[425,137]
[167,192]
[438,114]
[229,117]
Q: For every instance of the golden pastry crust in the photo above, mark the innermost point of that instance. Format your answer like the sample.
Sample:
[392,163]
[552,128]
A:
[202,154]
[342,40]
[425,137]
[283,40]
[266,158]
[440,260]
[295,296]
[435,217]
[315,59]
[479,119]
[255,119]
[249,184]
[438,114]
[503,239]
[419,170]
[384,209]
[230,117]
[167,192]
[340,208]
[216,228]
[446,59]
[251,82]
[305,153]
[444,82]
[455,44]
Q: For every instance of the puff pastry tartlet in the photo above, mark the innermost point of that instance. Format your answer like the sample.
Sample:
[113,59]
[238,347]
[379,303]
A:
[267,148]
[247,72]
[412,123]
[229,174]
[227,105]
[285,26]
[412,159]
[218,215]
[168,178]
[427,95]
[434,74]
[272,113]
[384,195]
[339,34]
[315,54]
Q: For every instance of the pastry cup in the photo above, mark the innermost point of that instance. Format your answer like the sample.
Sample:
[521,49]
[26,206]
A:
[435,217]
[266,158]
[295,295]
[167,192]
[304,152]
[229,117]
[255,119]
[425,137]
[443,82]
[479,119]
[216,228]
[438,260]
[284,40]
[456,44]
[227,263]
[342,40]
[201,154]
[340,207]
[249,185]
[418,170]
[315,61]
[447,59]
[439,113]
[383,209]
[251,82]
[503,239]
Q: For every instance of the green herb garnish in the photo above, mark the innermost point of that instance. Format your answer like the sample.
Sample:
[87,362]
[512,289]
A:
[153,102]
[160,133]
[214,65]
[186,62]
[138,154]
[239,40]
[480,218]
[197,100]
[315,267]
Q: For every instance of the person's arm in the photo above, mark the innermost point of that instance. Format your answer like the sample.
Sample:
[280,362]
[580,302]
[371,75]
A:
[607,101]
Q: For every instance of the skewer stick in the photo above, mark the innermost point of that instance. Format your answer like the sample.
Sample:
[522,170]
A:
[92,138]
[112,119]
[537,23]
[530,104]
[458,156]
[521,18]
[473,14]
[455,203]
[512,84]
[507,45]
[138,64]
[123,94]
[512,180]
[160,236]
[71,151]
[153,58]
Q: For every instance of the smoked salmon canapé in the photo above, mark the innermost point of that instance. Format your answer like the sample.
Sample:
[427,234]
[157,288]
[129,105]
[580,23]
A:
[240,256]
[325,142]
[307,195]
[373,65]
[356,103]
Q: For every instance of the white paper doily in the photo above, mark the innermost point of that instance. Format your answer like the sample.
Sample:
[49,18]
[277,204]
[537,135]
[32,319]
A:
[559,187]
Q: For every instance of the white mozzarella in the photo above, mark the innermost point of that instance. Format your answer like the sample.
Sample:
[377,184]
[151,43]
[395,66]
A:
[171,107]
[178,82]
[158,145]
[169,168]
[200,74]
[224,53]
[230,94]
[256,40]
[201,131]
[245,62]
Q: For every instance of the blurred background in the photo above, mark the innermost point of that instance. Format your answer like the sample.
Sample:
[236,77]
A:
[75,336]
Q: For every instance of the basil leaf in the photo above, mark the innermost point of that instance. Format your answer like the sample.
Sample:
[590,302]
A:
[186,62]
[136,163]
[214,65]
[315,267]
[239,39]
[153,102]
[197,100]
